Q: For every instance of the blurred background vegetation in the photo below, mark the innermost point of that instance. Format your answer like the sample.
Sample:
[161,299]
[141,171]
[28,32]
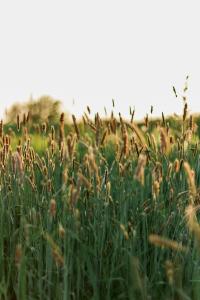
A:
[43,109]
[46,109]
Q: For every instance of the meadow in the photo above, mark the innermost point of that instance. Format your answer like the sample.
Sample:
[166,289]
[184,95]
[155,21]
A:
[103,208]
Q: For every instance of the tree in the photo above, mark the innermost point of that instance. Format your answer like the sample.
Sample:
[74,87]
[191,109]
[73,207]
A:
[43,109]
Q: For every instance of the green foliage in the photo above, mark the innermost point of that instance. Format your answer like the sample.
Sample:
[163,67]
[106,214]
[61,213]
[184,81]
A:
[76,216]
[44,109]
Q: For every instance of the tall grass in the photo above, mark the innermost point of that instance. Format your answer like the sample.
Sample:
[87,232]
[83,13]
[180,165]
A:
[103,210]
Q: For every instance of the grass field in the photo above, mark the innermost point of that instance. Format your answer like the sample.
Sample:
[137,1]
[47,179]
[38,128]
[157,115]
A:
[101,209]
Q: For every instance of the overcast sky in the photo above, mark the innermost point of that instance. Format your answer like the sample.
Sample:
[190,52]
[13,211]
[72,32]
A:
[92,51]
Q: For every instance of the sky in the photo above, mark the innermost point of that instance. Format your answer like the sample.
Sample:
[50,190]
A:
[90,52]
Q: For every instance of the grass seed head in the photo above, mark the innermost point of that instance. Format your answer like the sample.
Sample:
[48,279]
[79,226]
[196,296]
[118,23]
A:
[61,231]
[76,126]
[139,172]
[124,231]
[190,178]
[164,140]
[192,223]
[159,241]
[169,269]
[52,208]
[18,254]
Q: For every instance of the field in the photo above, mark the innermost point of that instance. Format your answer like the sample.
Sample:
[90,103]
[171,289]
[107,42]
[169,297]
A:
[100,209]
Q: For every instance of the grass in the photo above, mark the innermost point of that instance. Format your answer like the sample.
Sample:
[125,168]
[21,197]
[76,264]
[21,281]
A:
[104,209]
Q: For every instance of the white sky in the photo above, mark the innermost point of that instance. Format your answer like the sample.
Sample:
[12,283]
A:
[93,51]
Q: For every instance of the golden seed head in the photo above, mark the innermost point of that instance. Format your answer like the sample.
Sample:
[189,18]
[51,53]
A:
[165,143]
[53,207]
[139,172]
[169,269]
[84,181]
[192,223]
[190,178]
[124,231]
[62,118]
[18,254]
[76,126]
[176,165]
[166,243]
[156,188]
[61,231]
[108,187]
